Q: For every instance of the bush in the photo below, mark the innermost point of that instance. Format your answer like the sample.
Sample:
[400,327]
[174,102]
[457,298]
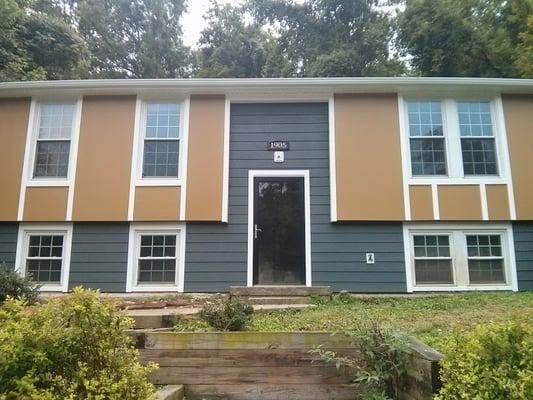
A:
[16,286]
[495,361]
[74,347]
[380,363]
[231,314]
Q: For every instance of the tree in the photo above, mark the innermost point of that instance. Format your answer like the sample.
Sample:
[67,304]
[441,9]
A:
[330,37]
[230,48]
[524,61]
[464,38]
[34,45]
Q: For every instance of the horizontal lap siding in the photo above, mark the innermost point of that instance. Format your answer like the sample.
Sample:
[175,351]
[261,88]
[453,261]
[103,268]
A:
[8,243]
[99,256]
[216,255]
[523,242]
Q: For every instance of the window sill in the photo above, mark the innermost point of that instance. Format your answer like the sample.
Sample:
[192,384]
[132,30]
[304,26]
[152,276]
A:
[155,288]
[467,180]
[158,182]
[461,288]
[52,288]
[47,182]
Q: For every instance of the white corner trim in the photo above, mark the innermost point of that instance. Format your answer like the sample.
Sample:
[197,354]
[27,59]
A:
[404,150]
[134,157]
[184,156]
[27,150]
[135,230]
[74,156]
[512,259]
[483,200]
[332,161]
[307,217]
[24,230]
[435,199]
[407,255]
[225,168]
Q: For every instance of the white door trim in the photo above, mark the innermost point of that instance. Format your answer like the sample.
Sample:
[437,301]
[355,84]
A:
[307,213]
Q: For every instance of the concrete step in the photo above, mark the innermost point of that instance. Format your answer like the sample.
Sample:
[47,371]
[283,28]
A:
[284,300]
[280,291]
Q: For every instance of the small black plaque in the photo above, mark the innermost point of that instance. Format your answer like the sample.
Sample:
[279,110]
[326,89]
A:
[278,145]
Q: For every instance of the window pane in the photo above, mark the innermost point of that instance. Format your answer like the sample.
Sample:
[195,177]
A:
[157,271]
[44,270]
[424,118]
[431,246]
[162,120]
[55,121]
[428,156]
[486,271]
[51,159]
[474,119]
[161,158]
[484,245]
[479,157]
[433,271]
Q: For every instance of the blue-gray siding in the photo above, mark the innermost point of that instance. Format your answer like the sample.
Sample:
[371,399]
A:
[8,242]
[99,256]
[216,254]
[523,242]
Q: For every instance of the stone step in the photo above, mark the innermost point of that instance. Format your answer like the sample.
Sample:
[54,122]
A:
[280,291]
[282,300]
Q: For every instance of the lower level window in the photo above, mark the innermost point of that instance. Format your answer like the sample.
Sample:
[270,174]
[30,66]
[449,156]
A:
[459,258]
[45,258]
[157,259]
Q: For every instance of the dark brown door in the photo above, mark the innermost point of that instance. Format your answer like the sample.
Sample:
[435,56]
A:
[279,231]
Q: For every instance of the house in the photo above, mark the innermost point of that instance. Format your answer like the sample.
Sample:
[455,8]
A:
[195,185]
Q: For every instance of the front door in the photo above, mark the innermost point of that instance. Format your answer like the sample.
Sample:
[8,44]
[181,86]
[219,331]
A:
[279,231]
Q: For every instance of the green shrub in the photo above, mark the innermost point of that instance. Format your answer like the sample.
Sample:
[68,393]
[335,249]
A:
[230,314]
[495,361]
[16,286]
[381,360]
[74,347]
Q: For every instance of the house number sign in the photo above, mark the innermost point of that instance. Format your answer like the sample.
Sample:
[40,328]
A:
[278,145]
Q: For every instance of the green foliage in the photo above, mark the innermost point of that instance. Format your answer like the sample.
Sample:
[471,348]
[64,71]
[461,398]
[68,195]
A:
[230,314]
[495,361]
[380,363]
[15,286]
[183,324]
[483,38]
[75,347]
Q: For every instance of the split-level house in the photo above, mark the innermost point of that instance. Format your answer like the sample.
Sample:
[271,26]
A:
[196,185]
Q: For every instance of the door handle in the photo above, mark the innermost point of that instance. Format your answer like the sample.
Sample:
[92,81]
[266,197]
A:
[256,229]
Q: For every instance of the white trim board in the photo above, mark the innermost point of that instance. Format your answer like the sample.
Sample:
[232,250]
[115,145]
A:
[225,170]
[307,216]
[332,161]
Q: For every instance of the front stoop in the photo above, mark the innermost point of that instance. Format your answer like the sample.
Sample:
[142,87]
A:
[279,291]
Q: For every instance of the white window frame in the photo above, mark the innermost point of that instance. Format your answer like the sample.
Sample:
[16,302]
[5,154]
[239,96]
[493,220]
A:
[451,257]
[452,142]
[459,254]
[134,248]
[25,231]
[33,137]
[140,137]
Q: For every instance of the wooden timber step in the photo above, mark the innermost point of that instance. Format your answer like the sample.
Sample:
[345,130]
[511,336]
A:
[173,392]
[279,291]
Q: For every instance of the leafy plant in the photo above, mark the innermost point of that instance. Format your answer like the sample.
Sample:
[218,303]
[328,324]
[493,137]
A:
[16,286]
[230,314]
[380,362]
[495,361]
[74,347]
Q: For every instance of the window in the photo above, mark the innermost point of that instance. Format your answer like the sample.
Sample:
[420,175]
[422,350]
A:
[477,138]
[157,257]
[433,262]
[426,138]
[161,140]
[459,257]
[485,259]
[54,132]
[43,254]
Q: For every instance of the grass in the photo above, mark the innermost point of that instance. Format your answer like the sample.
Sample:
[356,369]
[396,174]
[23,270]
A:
[431,318]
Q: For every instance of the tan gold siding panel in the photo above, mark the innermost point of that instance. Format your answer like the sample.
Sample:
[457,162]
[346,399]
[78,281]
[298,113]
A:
[104,159]
[368,164]
[45,204]
[459,203]
[498,203]
[421,203]
[205,159]
[14,115]
[518,112]
[157,203]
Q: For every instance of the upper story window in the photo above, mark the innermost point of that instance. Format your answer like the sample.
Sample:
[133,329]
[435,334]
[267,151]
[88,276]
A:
[452,138]
[426,138]
[161,140]
[54,133]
